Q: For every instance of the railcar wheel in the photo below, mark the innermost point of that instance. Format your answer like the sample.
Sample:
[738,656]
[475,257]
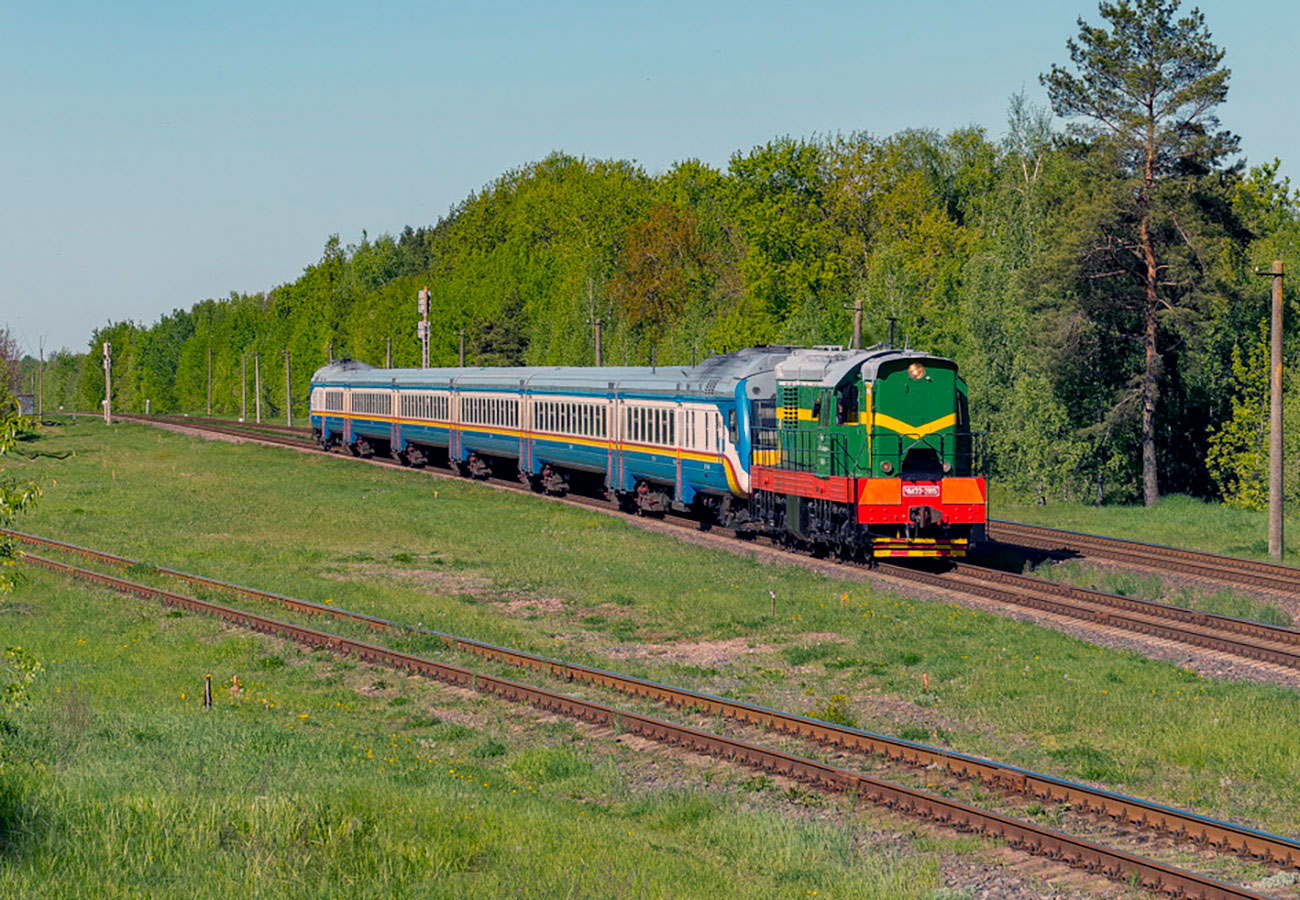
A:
[478,467]
[554,483]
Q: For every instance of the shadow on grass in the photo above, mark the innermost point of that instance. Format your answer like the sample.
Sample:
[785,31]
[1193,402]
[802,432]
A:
[1014,558]
[14,813]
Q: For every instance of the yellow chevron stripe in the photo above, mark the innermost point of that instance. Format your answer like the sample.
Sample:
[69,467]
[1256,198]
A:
[912,431]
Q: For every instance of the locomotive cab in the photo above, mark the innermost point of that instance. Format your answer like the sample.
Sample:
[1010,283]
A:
[872,455]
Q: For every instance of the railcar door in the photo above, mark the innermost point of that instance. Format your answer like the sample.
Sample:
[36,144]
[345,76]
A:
[395,428]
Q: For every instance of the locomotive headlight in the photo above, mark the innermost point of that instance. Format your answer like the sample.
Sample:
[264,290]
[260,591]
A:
[916,370]
[947,467]
[886,467]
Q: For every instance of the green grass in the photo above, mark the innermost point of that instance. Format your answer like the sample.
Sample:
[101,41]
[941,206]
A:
[1151,587]
[1176,521]
[116,783]
[524,572]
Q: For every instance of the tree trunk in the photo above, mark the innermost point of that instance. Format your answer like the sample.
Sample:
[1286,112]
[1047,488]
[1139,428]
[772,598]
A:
[1150,388]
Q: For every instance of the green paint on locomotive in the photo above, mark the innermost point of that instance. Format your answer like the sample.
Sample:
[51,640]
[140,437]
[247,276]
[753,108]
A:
[911,421]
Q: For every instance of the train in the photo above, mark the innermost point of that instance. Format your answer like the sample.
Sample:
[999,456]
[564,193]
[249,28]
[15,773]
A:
[861,453]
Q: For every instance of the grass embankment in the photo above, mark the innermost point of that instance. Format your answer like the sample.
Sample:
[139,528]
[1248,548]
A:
[460,557]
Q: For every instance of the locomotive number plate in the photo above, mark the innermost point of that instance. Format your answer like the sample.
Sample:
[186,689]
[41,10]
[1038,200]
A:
[920,490]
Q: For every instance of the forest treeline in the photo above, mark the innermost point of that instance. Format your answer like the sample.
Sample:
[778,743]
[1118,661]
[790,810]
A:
[1092,297]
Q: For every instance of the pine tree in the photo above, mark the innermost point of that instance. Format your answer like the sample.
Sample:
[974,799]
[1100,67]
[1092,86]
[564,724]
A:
[1145,89]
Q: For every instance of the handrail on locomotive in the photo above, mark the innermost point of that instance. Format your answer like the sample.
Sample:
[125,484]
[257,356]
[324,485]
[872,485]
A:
[827,454]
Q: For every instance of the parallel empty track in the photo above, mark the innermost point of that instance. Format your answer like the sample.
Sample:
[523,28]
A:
[1212,566]
[1032,838]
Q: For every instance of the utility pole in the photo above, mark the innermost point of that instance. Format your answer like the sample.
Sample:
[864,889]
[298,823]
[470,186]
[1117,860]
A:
[40,383]
[331,349]
[209,378]
[596,323]
[288,391]
[257,384]
[857,323]
[462,348]
[1275,535]
[388,353]
[423,327]
[243,388]
[108,383]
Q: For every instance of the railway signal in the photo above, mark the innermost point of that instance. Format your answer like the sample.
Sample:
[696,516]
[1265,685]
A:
[423,328]
[108,383]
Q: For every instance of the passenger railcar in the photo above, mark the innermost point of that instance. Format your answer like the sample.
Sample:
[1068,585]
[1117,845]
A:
[861,452]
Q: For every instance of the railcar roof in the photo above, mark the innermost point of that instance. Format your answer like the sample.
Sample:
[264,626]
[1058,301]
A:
[716,376]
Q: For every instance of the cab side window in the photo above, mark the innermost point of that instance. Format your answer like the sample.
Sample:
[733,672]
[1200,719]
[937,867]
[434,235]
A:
[847,405]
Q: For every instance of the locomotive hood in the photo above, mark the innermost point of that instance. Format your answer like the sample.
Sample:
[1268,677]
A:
[827,367]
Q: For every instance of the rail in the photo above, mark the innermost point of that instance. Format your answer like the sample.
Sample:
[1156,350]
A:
[1008,779]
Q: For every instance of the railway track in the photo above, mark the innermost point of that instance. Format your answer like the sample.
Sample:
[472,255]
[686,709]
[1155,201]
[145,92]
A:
[1212,566]
[1032,838]
[1241,638]
[225,426]
[1210,631]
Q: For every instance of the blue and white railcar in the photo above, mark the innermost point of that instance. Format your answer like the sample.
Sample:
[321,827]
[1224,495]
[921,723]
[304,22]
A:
[656,436]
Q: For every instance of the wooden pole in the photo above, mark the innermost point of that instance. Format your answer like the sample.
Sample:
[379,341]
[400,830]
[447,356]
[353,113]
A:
[288,391]
[257,384]
[1275,535]
[209,378]
[462,348]
[243,388]
[599,350]
[40,383]
[388,353]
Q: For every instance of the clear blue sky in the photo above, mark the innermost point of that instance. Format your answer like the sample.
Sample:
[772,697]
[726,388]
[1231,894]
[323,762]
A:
[154,154]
